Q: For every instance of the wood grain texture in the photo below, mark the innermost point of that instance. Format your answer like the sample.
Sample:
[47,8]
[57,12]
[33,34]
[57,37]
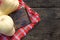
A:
[43,3]
[48,28]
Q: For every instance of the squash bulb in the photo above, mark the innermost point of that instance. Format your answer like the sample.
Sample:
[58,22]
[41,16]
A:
[8,6]
[6,25]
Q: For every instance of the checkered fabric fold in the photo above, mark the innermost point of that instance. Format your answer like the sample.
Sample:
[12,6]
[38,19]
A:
[34,17]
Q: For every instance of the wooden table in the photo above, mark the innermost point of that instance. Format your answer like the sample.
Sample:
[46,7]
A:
[49,27]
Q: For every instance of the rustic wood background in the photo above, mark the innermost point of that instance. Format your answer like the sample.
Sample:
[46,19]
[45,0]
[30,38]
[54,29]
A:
[43,3]
[49,27]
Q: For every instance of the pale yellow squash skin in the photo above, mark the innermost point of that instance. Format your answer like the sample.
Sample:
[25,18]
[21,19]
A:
[8,6]
[6,25]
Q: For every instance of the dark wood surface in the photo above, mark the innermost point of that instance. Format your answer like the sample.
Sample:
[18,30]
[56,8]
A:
[49,27]
[43,3]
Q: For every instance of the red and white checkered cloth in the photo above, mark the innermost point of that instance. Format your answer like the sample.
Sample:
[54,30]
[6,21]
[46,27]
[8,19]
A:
[34,17]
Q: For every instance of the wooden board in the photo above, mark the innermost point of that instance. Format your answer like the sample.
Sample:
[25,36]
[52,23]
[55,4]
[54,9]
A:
[43,3]
[48,28]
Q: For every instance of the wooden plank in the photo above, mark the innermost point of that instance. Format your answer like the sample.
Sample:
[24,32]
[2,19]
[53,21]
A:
[57,11]
[43,3]
[48,28]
